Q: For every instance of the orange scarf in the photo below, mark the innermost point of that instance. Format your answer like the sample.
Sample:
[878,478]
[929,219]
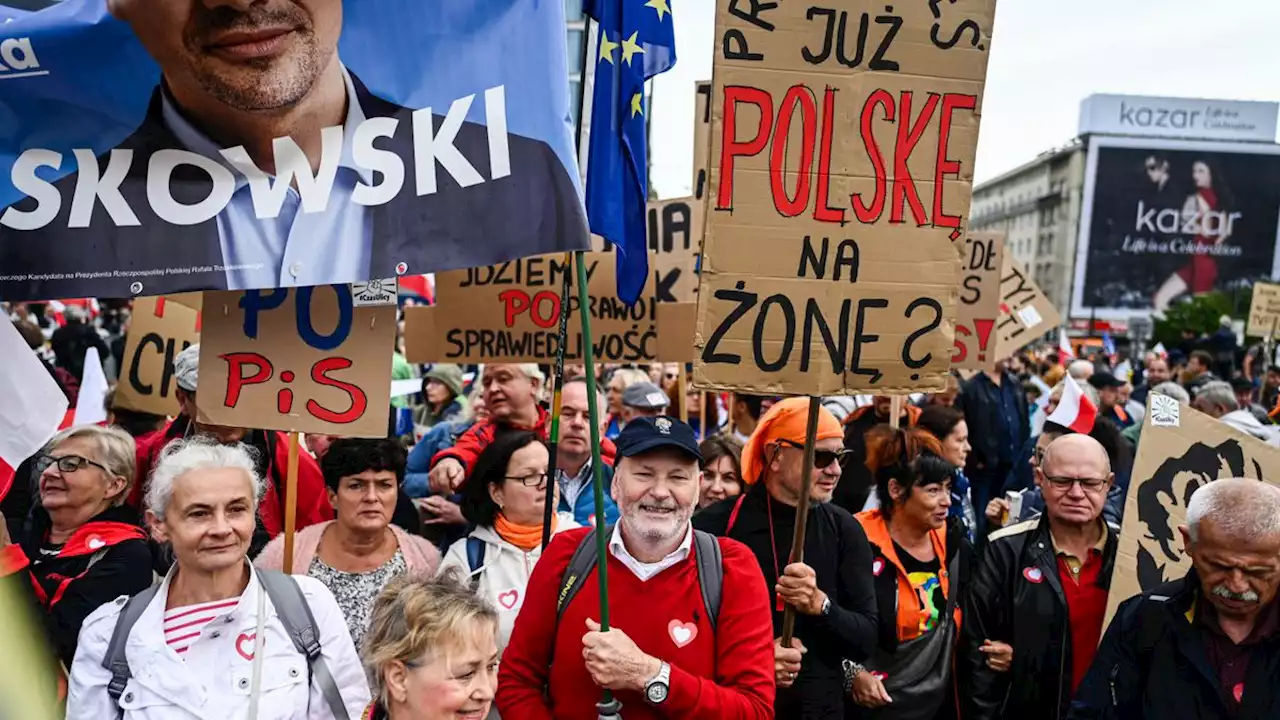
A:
[525,537]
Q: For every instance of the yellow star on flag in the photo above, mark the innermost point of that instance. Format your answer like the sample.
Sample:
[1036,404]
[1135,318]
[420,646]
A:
[607,47]
[630,47]
[636,107]
[660,6]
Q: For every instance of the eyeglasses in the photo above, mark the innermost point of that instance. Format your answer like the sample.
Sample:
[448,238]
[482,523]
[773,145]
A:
[67,463]
[533,481]
[823,458]
[1065,483]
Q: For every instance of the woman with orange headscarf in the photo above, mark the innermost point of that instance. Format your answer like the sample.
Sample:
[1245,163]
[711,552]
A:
[920,568]
[832,589]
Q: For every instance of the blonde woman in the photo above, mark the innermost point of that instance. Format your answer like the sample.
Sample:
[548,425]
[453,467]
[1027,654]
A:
[431,652]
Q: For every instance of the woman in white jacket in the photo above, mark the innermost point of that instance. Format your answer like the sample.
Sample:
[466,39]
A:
[210,643]
[504,498]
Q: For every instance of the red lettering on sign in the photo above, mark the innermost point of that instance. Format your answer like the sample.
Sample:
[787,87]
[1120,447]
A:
[236,378]
[514,302]
[822,210]
[904,187]
[946,166]
[545,300]
[799,96]
[160,307]
[731,147]
[319,375]
[870,213]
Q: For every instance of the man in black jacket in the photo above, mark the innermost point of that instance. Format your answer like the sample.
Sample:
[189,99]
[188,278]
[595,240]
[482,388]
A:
[832,589]
[995,409]
[1042,589]
[1206,647]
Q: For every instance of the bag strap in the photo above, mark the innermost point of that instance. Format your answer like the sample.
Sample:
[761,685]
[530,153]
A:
[475,558]
[295,614]
[579,570]
[710,573]
[114,661]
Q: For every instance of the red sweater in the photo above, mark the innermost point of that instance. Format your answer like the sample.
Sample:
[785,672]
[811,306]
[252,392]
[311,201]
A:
[723,674]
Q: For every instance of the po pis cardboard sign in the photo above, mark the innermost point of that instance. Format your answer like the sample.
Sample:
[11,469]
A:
[159,329]
[1181,450]
[841,166]
[1264,310]
[1025,311]
[299,359]
[981,255]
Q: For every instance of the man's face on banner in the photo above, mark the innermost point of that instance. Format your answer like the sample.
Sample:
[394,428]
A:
[251,55]
[1157,169]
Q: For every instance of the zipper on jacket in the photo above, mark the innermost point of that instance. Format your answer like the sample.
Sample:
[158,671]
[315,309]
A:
[1115,670]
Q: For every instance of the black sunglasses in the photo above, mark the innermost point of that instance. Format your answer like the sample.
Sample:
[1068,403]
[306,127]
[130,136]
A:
[822,458]
[68,463]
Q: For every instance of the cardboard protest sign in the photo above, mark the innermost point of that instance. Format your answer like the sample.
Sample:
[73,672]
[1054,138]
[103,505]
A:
[511,313]
[305,359]
[979,310]
[842,149]
[1181,450]
[701,139]
[1025,311]
[159,329]
[676,325]
[1264,310]
[675,239]
[440,142]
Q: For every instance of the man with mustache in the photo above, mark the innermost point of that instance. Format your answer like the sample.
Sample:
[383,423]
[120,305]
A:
[1042,589]
[832,590]
[255,91]
[1206,646]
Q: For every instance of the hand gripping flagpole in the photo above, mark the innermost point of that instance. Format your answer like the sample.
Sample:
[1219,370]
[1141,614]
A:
[802,511]
[553,439]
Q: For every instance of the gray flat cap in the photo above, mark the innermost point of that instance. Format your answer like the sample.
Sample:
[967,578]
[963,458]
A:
[645,396]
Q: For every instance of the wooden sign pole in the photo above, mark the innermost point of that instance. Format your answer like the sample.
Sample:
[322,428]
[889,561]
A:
[682,387]
[895,411]
[291,502]
[802,510]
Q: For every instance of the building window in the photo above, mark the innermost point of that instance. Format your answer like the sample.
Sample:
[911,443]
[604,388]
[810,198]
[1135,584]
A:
[573,10]
[577,36]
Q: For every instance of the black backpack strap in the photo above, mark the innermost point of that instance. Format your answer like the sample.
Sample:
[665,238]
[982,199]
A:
[580,566]
[114,661]
[710,573]
[295,614]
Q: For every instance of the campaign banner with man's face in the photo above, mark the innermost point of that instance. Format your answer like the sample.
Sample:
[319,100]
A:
[1165,219]
[157,146]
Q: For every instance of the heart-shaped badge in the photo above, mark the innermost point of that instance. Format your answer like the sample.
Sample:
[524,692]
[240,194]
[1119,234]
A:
[96,543]
[1238,692]
[250,640]
[508,599]
[877,567]
[682,633]
[1033,574]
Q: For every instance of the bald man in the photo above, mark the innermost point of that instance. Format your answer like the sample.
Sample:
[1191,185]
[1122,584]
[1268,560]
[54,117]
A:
[832,589]
[1042,591]
[1206,646]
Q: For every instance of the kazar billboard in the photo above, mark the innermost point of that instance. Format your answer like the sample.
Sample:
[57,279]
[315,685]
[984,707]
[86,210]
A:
[1187,118]
[1164,219]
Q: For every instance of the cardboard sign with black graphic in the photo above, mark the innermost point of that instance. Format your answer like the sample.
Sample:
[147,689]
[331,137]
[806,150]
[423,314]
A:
[159,329]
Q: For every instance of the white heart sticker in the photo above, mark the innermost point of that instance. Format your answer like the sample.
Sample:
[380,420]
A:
[682,633]
[877,567]
[508,598]
[96,543]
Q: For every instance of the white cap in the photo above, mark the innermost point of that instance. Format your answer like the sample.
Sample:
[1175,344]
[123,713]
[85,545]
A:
[186,368]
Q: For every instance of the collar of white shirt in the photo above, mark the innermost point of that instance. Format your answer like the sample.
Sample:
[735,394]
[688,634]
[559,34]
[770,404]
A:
[196,141]
[645,571]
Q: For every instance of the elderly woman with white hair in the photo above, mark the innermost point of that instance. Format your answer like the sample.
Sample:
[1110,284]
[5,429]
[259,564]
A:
[216,638]
[81,545]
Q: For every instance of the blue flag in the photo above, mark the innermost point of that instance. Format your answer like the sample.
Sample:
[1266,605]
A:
[636,41]
[1108,345]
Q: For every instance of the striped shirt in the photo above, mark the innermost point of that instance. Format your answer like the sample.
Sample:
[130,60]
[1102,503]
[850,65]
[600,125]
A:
[182,625]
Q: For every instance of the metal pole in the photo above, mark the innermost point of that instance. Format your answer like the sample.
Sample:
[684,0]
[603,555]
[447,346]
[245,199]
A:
[802,511]
[553,439]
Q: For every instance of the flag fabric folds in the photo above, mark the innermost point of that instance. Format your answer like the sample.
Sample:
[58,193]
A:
[636,41]
[1075,410]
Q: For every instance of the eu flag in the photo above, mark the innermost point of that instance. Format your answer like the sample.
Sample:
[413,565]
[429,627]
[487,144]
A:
[636,41]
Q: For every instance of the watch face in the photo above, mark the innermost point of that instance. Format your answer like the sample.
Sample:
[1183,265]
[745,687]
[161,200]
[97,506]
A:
[657,692]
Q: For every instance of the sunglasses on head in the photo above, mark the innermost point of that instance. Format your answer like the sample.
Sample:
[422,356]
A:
[822,458]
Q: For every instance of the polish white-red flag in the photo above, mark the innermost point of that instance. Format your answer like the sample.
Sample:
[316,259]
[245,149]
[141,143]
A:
[1075,410]
[1065,353]
[33,409]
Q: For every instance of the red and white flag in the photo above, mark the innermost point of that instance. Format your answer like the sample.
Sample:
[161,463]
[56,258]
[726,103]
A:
[1075,410]
[91,401]
[1065,353]
[33,408]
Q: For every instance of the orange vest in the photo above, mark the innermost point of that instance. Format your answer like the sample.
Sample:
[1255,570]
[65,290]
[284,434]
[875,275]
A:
[911,612]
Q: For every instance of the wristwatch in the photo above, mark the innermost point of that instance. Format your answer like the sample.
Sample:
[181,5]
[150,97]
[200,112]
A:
[826,606]
[658,687]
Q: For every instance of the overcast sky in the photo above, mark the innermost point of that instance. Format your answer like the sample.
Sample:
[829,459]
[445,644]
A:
[1046,57]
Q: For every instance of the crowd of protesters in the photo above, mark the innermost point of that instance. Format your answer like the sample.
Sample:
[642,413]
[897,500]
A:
[957,559]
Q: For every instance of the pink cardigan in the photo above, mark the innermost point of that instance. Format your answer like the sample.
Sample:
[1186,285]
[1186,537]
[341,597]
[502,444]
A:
[421,557]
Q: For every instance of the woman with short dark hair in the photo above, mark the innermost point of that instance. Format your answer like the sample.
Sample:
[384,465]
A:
[721,469]
[361,551]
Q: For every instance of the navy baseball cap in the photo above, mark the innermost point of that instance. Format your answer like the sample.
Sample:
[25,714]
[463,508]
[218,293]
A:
[645,434]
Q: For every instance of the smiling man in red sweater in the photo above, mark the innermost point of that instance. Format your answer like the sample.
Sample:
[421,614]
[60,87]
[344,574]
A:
[668,654]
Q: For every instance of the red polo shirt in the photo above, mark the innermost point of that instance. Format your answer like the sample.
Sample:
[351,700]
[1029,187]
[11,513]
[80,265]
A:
[1086,604]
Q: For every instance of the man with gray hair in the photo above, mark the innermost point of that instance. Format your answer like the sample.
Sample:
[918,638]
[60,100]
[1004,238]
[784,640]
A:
[1218,400]
[1081,370]
[1205,646]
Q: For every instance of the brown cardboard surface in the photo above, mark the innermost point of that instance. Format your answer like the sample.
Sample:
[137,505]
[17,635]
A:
[676,324]
[345,390]
[159,329]
[193,300]
[510,313]
[827,160]
[1025,311]
[1264,310]
[701,139]
[1181,450]
[981,258]
[675,239]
